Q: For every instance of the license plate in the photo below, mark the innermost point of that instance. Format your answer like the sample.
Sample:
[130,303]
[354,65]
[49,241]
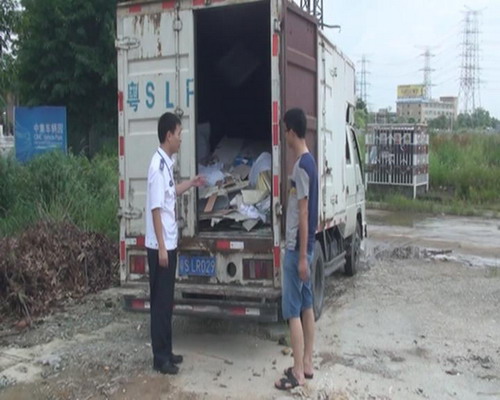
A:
[196,266]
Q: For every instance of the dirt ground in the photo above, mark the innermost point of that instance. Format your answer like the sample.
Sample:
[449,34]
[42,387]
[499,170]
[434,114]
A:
[421,320]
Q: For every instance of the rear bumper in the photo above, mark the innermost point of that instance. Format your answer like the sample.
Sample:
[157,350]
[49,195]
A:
[237,310]
[221,301]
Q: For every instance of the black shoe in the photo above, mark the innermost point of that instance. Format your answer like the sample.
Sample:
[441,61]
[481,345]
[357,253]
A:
[167,368]
[176,359]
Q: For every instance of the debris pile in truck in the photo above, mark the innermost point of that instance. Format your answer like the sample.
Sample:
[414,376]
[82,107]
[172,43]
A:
[238,190]
[51,262]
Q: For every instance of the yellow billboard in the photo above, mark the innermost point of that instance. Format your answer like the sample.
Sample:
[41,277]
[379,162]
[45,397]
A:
[411,91]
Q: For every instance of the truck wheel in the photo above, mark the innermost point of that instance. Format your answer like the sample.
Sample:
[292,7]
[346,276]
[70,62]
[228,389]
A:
[353,250]
[318,280]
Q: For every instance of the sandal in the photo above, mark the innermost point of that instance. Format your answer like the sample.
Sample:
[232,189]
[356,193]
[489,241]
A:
[290,382]
[289,372]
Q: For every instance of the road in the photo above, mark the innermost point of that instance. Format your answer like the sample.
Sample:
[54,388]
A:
[421,320]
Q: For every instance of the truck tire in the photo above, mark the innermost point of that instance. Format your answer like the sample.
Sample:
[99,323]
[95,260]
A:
[318,280]
[352,254]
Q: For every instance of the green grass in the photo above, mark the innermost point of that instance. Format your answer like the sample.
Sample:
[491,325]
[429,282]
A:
[60,188]
[432,206]
[464,175]
[466,165]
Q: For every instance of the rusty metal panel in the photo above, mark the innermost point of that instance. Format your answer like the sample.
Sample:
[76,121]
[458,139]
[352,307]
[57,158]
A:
[301,70]
[299,77]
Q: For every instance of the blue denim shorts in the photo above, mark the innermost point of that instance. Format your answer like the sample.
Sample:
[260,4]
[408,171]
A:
[296,294]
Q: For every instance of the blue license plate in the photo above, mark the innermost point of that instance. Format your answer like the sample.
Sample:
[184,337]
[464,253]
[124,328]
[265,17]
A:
[196,266]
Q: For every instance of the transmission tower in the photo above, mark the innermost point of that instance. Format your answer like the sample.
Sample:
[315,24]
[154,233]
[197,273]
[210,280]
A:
[314,7]
[362,79]
[469,93]
[427,72]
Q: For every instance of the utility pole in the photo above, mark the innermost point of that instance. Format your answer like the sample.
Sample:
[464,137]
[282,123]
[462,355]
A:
[469,92]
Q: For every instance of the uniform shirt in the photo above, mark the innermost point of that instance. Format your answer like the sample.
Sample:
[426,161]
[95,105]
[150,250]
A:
[304,184]
[161,194]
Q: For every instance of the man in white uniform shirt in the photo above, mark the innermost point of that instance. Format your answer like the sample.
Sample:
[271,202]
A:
[161,240]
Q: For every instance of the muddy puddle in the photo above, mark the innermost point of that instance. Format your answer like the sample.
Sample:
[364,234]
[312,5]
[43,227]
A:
[471,241]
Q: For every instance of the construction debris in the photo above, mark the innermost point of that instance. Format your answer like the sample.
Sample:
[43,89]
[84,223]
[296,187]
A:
[238,190]
[50,262]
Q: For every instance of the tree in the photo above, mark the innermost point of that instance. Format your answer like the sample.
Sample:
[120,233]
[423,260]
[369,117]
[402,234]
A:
[67,57]
[360,114]
[440,122]
[8,18]
[480,118]
[463,121]
[361,105]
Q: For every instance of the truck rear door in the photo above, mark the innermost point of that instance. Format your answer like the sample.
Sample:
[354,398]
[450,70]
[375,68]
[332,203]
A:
[155,64]
[300,81]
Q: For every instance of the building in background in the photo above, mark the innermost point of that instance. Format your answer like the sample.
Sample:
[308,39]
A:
[414,106]
[384,116]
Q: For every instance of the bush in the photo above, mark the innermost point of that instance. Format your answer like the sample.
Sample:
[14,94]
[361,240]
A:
[58,187]
[468,165]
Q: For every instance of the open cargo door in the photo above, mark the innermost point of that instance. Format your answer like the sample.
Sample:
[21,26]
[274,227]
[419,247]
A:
[300,80]
[336,83]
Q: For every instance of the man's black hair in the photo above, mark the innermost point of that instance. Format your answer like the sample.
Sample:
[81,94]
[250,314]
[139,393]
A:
[295,119]
[167,123]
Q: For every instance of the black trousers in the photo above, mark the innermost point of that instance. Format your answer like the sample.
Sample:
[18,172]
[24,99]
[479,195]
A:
[161,286]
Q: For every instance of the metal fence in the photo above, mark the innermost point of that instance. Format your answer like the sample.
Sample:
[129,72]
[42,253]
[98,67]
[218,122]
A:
[398,155]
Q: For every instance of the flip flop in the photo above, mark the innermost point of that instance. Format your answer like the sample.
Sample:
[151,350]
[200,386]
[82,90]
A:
[289,372]
[287,383]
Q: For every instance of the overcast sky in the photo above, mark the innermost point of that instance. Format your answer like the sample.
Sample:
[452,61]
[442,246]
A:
[393,33]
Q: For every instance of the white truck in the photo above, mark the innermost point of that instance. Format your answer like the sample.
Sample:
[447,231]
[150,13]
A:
[235,66]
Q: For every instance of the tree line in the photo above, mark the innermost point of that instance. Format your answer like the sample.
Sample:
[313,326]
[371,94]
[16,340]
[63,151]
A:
[62,53]
[479,119]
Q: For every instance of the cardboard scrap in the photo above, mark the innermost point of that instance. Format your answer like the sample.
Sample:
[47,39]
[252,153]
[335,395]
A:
[249,224]
[214,214]
[205,193]
[252,197]
[241,171]
[213,203]
[236,216]
[210,203]
[228,182]
[264,182]
[247,207]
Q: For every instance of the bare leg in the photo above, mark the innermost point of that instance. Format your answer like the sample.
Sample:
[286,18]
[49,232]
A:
[308,326]
[297,339]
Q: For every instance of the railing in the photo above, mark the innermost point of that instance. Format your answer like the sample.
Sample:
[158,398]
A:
[397,155]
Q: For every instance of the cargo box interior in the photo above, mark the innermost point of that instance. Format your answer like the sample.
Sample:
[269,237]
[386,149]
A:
[233,104]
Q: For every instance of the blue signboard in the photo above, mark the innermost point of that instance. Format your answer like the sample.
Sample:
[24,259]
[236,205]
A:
[38,130]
